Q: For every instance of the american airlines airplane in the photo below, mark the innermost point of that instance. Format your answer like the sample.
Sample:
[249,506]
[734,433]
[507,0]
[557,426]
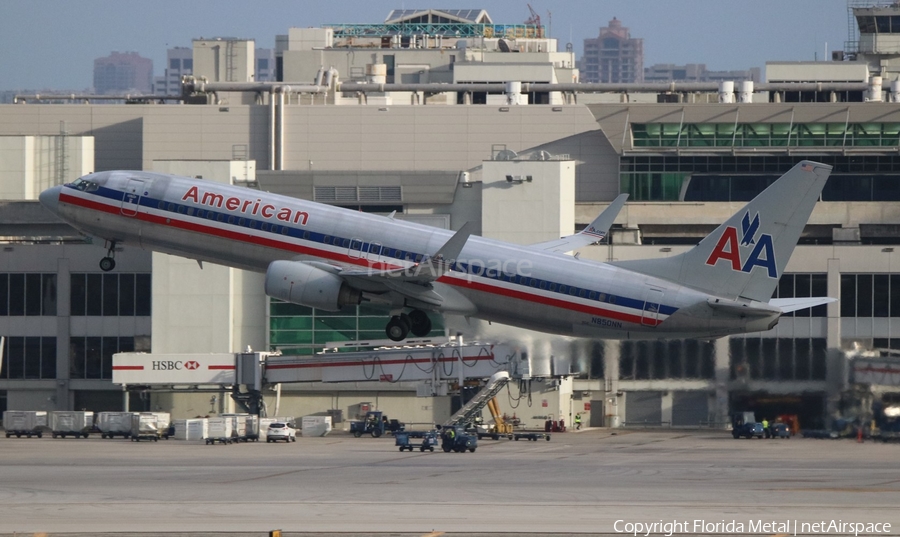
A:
[327,257]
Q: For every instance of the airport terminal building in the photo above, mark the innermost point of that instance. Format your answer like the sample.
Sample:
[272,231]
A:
[444,127]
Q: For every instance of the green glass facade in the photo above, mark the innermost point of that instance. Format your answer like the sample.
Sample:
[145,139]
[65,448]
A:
[766,134]
[299,330]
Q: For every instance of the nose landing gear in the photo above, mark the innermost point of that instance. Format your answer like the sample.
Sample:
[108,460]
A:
[108,263]
[400,326]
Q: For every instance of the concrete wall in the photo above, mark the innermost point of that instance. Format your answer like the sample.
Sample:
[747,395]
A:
[525,212]
[30,164]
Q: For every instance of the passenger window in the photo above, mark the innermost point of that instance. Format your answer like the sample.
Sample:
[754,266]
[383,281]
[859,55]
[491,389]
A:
[327,239]
[306,235]
[543,285]
[162,206]
[573,291]
[346,243]
[253,224]
[534,282]
[230,219]
[210,215]
[582,293]
[602,297]
[182,209]
[274,228]
[241,222]
[612,299]
[593,295]
[190,211]
[563,289]
[355,244]
[171,207]
[285,230]
[220,217]
[553,287]
[264,226]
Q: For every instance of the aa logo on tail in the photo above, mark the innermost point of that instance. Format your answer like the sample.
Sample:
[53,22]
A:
[729,249]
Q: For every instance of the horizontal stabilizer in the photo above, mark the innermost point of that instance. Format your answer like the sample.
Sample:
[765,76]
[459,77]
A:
[787,305]
[743,309]
[595,232]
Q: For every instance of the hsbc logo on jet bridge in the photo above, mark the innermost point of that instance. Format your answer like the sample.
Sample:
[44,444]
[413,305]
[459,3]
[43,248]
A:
[170,365]
[140,368]
[729,249]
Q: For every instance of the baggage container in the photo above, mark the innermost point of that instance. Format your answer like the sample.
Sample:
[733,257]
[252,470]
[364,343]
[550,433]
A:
[245,427]
[75,423]
[163,423]
[315,425]
[252,431]
[145,426]
[221,429]
[191,429]
[24,422]
[112,424]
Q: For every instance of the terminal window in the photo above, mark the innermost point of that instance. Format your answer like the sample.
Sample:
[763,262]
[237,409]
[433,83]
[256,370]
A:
[28,358]
[110,295]
[27,294]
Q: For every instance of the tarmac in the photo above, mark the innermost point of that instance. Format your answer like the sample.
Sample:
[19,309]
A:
[590,482]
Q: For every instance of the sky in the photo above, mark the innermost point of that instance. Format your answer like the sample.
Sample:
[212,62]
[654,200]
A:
[52,44]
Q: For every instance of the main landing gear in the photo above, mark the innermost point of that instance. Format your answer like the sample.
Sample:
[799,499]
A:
[400,326]
[108,263]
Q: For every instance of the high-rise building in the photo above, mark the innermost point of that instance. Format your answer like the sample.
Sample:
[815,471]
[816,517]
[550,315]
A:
[123,72]
[613,57]
[179,63]
[265,64]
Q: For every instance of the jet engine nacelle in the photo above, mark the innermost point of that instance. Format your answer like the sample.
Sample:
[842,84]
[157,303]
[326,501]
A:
[299,283]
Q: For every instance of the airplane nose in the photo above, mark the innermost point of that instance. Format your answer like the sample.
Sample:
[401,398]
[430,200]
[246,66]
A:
[50,198]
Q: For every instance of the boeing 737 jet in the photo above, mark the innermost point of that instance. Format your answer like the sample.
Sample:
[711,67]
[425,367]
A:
[327,257]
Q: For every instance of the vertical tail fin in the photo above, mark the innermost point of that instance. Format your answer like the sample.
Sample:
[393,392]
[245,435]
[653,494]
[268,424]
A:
[745,256]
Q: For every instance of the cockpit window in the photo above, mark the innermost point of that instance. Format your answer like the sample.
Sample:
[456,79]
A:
[85,185]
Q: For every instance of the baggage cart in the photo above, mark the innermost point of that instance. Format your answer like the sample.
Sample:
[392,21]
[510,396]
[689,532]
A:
[24,423]
[429,440]
[113,424]
[73,423]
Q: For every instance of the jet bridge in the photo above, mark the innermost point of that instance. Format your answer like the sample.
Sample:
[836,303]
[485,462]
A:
[434,365]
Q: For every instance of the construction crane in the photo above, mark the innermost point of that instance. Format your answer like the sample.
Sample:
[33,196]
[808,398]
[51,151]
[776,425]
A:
[535,20]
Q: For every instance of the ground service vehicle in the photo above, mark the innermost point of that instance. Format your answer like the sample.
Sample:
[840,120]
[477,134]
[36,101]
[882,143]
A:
[456,439]
[280,431]
[375,424]
[749,430]
[779,430]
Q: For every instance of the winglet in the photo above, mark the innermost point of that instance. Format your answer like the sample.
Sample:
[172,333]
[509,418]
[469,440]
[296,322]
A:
[595,232]
[451,249]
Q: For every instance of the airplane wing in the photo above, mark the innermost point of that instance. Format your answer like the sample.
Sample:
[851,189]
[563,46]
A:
[415,282]
[595,232]
[788,305]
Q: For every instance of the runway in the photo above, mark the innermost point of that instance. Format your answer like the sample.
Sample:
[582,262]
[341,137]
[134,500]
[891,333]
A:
[589,482]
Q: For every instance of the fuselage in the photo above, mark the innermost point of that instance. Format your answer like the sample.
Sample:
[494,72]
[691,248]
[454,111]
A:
[505,283]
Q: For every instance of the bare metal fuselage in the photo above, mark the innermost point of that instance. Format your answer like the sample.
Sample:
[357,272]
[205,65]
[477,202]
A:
[493,280]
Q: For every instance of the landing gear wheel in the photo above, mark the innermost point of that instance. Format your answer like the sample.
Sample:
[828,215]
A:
[419,323]
[107,264]
[397,328]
